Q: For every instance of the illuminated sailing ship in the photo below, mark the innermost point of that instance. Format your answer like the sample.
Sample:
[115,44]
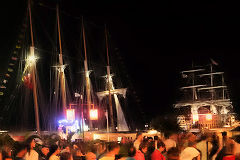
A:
[205,103]
[75,112]
[111,91]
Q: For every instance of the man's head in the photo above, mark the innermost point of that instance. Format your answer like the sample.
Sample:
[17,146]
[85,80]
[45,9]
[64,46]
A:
[66,156]
[150,139]
[173,154]
[90,156]
[54,149]
[160,145]
[224,134]
[113,147]
[20,149]
[191,137]
[143,147]
[45,150]
[131,151]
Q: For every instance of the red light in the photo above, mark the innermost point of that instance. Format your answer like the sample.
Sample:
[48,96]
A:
[70,114]
[93,114]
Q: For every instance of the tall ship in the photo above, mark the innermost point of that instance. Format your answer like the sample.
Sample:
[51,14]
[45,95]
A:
[69,107]
[205,101]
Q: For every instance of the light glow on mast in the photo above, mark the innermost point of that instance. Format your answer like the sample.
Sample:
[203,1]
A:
[31,59]
[93,114]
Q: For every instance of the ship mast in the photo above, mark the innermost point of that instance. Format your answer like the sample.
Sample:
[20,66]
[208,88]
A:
[61,66]
[87,79]
[211,71]
[33,67]
[212,87]
[109,84]
[193,87]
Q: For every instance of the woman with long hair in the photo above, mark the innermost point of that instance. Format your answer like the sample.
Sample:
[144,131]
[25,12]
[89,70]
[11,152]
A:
[31,153]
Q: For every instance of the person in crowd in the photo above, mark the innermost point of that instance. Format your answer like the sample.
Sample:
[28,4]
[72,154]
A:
[236,140]
[6,151]
[101,149]
[137,142]
[215,145]
[140,154]
[131,153]
[226,147]
[91,152]
[124,146]
[54,150]
[173,154]
[20,149]
[113,150]
[181,140]
[150,149]
[170,141]
[190,139]
[77,154]
[203,146]
[90,156]
[155,138]
[44,152]
[230,150]
[66,148]
[150,139]
[66,156]
[31,153]
[157,153]
[190,152]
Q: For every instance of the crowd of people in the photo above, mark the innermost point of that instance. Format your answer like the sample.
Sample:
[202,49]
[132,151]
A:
[173,146]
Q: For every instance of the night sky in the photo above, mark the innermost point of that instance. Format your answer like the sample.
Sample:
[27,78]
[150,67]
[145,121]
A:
[152,42]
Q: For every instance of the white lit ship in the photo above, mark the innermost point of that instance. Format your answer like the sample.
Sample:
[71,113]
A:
[205,103]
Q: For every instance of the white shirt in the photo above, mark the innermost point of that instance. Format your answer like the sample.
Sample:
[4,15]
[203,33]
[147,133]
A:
[32,155]
[189,153]
[202,146]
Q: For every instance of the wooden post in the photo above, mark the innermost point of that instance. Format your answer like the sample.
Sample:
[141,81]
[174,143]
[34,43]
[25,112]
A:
[81,96]
[61,68]
[110,100]
[33,67]
[109,85]
[87,78]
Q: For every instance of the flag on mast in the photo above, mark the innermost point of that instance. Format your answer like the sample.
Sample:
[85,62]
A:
[214,62]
